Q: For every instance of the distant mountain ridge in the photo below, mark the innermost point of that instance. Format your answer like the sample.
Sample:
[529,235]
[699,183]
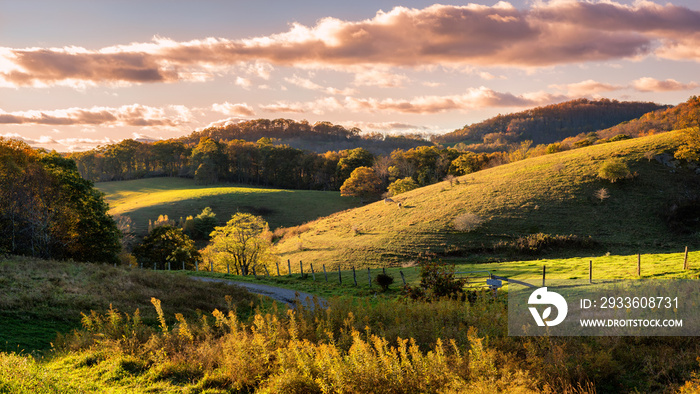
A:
[319,137]
[661,120]
[552,123]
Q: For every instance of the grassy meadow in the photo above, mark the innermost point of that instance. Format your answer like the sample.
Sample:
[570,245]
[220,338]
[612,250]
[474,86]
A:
[213,338]
[553,194]
[366,341]
[39,298]
[146,199]
[605,267]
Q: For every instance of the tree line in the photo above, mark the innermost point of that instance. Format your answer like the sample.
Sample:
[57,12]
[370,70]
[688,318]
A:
[266,164]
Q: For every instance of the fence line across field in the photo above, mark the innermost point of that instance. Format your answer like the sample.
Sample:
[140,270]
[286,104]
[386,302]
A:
[473,278]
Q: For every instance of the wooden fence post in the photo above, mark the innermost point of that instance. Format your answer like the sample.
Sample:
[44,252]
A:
[384,270]
[289,268]
[313,274]
[183,265]
[142,265]
[228,269]
[196,265]
[168,266]
[685,260]
[324,272]
[590,271]
[154,267]
[403,278]
[369,277]
[340,278]
[639,264]
[544,272]
[354,277]
[301,269]
[278,267]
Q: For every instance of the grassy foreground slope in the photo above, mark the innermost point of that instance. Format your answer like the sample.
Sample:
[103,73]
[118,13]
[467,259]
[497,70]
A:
[39,298]
[146,199]
[552,194]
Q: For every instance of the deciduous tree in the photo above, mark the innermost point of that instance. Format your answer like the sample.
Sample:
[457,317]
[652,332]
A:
[243,241]
[167,244]
[363,183]
[402,186]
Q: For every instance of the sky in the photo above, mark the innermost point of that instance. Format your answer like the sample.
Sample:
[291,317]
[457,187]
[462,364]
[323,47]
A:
[76,74]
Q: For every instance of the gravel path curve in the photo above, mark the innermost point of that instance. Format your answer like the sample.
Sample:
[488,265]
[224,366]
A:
[277,293]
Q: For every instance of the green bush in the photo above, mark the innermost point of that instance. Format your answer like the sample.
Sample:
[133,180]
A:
[613,170]
[437,281]
[384,281]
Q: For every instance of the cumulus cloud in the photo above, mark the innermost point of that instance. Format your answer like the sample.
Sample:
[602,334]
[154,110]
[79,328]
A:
[547,33]
[587,88]
[127,115]
[379,77]
[63,144]
[318,107]
[385,126]
[224,122]
[311,85]
[227,108]
[647,84]
[654,85]
[473,99]
[245,83]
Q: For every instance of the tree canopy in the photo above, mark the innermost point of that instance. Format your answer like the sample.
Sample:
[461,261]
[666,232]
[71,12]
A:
[402,186]
[48,210]
[363,183]
[167,245]
[243,242]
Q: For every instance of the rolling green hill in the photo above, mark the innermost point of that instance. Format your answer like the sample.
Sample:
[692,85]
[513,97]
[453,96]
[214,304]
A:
[146,199]
[551,195]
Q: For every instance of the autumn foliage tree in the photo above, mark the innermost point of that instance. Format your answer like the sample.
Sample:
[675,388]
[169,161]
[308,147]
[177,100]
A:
[48,210]
[363,183]
[690,149]
[402,186]
[243,241]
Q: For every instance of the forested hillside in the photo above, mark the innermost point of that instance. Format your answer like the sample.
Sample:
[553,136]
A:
[320,137]
[543,125]
[661,120]
[262,152]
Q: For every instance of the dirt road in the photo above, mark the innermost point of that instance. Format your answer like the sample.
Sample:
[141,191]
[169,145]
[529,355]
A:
[286,296]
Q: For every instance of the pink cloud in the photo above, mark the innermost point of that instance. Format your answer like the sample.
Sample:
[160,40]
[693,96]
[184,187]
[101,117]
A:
[472,99]
[654,85]
[311,85]
[587,88]
[317,107]
[559,32]
[227,108]
[127,115]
